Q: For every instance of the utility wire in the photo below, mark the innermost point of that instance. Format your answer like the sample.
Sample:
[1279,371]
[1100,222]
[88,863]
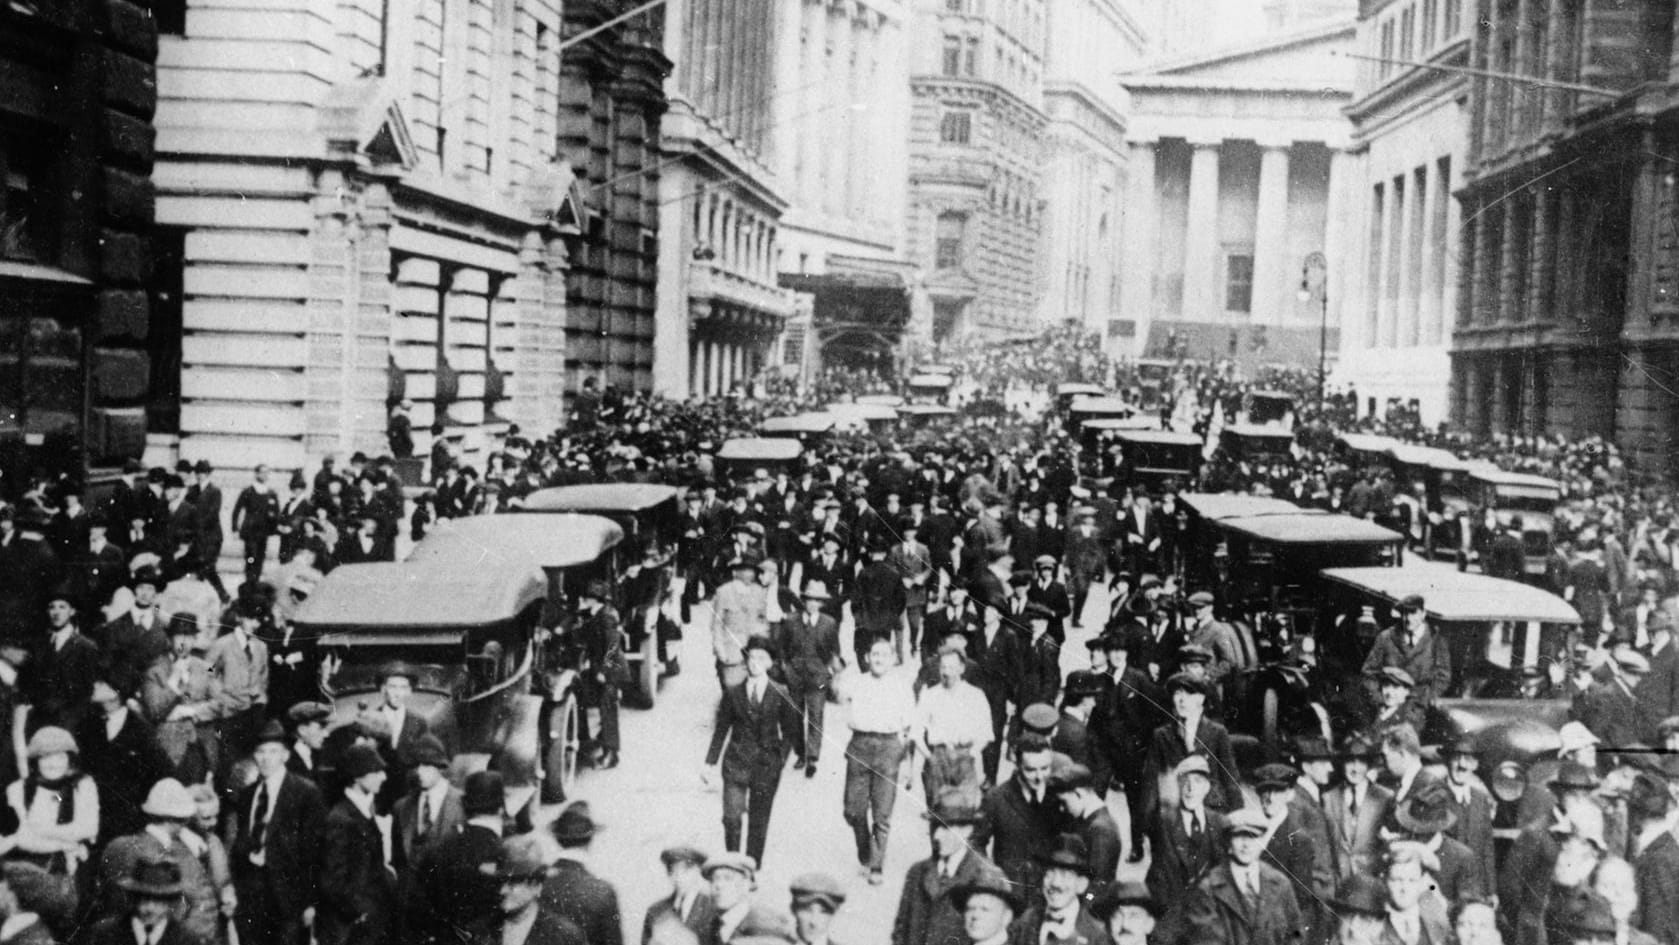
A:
[1489,74]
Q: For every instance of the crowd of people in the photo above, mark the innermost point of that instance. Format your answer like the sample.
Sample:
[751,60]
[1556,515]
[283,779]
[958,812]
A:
[175,776]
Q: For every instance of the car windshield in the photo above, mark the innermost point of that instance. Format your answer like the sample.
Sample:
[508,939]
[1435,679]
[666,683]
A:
[1515,499]
[363,668]
[1488,658]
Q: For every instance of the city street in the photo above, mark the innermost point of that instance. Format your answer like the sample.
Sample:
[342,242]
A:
[656,799]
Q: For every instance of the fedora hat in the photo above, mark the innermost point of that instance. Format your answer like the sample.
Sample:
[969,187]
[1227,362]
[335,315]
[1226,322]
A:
[483,793]
[1069,852]
[153,877]
[426,750]
[360,761]
[991,881]
[520,857]
[575,824]
[1124,893]
[1427,811]
[816,590]
[954,807]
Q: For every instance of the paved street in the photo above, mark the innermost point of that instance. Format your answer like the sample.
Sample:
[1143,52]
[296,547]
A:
[655,798]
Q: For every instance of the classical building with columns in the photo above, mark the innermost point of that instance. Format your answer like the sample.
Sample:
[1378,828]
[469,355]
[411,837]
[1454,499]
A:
[1568,295]
[720,308]
[976,167]
[840,139]
[1237,171]
[1090,41]
[358,205]
[1410,134]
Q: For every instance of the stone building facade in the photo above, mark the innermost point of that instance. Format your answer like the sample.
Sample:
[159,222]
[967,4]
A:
[720,308]
[976,166]
[367,203]
[1090,42]
[1568,299]
[77,336]
[1237,172]
[1410,133]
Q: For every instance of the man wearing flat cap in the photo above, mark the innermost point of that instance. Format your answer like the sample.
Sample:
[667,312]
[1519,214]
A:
[1394,706]
[1216,636]
[733,877]
[1414,646]
[1051,593]
[1290,846]
[816,897]
[1191,732]
[1086,816]
[689,903]
[521,917]
[1244,901]
[1610,708]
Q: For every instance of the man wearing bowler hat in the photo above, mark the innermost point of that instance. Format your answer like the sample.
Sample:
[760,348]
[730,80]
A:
[572,891]
[816,897]
[1060,918]
[810,658]
[926,914]
[154,893]
[521,917]
[757,722]
[1413,646]
[989,905]
[689,903]
[1244,901]
[433,810]
[276,851]
[358,883]
[1128,911]
[453,885]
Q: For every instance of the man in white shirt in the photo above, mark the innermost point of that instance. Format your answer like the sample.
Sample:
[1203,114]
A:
[882,714]
[953,721]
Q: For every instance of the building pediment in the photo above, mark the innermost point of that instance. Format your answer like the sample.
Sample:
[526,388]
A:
[1308,58]
[554,195]
[360,120]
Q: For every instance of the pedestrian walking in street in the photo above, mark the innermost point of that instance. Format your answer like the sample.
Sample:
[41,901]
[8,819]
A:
[810,659]
[689,904]
[572,891]
[759,725]
[882,717]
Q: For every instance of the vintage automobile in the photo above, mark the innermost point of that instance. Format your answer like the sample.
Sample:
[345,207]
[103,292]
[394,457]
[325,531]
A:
[805,427]
[921,416]
[881,400]
[1154,381]
[930,387]
[1246,443]
[1438,479]
[474,641]
[876,418]
[568,551]
[1273,558]
[1151,458]
[738,457]
[1494,629]
[1361,451]
[1085,409]
[1509,494]
[1271,407]
[651,517]
[1066,393]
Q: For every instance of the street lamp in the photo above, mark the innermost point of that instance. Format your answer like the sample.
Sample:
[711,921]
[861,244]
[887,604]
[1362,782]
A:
[1314,280]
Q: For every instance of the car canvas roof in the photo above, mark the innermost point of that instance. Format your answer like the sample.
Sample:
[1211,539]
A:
[800,423]
[866,411]
[1368,442]
[1101,405]
[1223,505]
[1159,437]
[760,449]
[1259,431]
[1072,388]
[599,497]
[530,539]
[1311,528]
[406,596]
[926,410]
[883,400]
[1140,422]
[1430,456]
[1453,595]
[1487,472]
[931,380]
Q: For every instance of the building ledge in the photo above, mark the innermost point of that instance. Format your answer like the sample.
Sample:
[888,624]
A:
[1406,86]
[709,283]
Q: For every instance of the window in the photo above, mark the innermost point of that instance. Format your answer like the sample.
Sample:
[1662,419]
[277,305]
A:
[1453,24]
[956,127]
[1430,16]
[24,221]
[1238,282]
[952,55]
[970,60]
[1385,67]
[955,6]
[1407,32]
[947,247]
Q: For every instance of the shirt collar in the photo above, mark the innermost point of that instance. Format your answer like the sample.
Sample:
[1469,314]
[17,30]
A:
[362,801]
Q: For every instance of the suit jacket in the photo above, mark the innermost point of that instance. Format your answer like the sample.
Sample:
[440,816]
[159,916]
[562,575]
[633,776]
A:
[758,737]
[446,822]
[1524,885]
[1072,738]
[926,915]
[358,892]
[1166,749]
[1180,862]
[878,600]
[1315,822]
[1429,662]
[1087,929]
[244,679]
[1001,662]
[914,564]
[809,655]
[1293,851]
[1658,692]
[574,893]
[129,649]
[548,929]
[1355,838]
[256,514]
[120,931]
[1434,928]
[1612,714]
[1657,870]
[207,502]
[454,887]
[124,768]
[1218,914]
[700,915]
[1015,831]
[1054,597]
[1461,876]
[1121,725]
[292,850]
[836,576]
[63,682]
[1474,830]
[1101,838]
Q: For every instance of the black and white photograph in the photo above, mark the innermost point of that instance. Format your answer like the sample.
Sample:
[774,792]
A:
[839,472]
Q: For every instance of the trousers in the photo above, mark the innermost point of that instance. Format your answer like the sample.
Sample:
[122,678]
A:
[751,797]
[871,791]
[950,767]
[810,701]
[607,702]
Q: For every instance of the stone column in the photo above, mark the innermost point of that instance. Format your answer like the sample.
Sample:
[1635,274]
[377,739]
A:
[1270,235]
[1386,334]
[1508,304]
[1201,277]
[1405,306]
[1483,277]
[815,98]
[1141,254]
[1338,245]
[836,122]
[1541,263]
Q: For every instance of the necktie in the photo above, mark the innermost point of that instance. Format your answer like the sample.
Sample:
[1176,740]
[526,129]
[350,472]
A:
[425,814]
[247,649]
[259,817]
[1194,827]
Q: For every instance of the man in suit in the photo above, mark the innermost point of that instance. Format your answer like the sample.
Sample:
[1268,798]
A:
[1474,808]
[1141,538]
[832,570]
[136,638]
[1046,591]
[1655,858]
[1356,810]
[154,889]
[205,497]
[453,886]
[1121,725]
[914,564]
[757,722]
[276,852]
[1402,760]
[1243,901]
[689,903]
[878,601]
[1425,818]
[433,811]
[1060,917]
[738,613]
[358,884]
[398,730]
[1020,814]
[1317,769]
[1658,694]
[810,658]
[1505,557]
[1291,847]
[1187,843]
[1084,558]
[121,753]
[1189,732]
[574,893]
[1087,818]
[598,630]
[1072,736]
[1215,635]
[101,568]
[256,517]
[239,661]
[926,914]
[1408,922]
[169,807]
[1610,707]
[63,667]
[1415,647]
[521,917]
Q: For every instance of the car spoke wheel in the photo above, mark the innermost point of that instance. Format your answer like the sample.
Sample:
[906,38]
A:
[1270,738]
[648,676]
[560,765]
